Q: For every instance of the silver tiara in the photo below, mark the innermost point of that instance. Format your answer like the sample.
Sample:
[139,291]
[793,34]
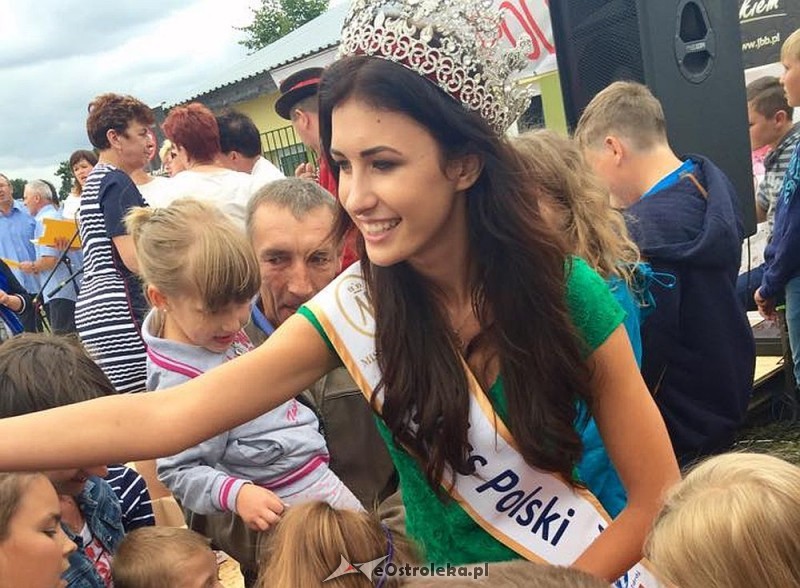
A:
[453,43]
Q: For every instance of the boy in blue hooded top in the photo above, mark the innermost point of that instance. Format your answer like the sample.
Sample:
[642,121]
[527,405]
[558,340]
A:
[782,256]
[698,350]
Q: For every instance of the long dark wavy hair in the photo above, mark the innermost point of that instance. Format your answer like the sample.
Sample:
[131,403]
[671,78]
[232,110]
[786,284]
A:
[518,293]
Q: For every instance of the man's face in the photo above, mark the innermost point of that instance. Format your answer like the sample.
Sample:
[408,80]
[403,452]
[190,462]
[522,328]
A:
[763,130]
[296,257]
[306,125]
[32,201]
[6,194]
[236,161]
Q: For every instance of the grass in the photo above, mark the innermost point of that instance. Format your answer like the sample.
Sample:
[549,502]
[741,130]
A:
[772,431]
[781,439]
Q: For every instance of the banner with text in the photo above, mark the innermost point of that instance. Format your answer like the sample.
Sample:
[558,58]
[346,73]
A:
[765,24]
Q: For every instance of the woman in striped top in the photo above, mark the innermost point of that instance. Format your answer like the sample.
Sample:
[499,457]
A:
[111,305]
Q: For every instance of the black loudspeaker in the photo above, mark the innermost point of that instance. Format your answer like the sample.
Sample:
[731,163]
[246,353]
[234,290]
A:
[688,52]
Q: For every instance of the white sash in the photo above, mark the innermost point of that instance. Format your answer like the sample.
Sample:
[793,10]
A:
[532,512]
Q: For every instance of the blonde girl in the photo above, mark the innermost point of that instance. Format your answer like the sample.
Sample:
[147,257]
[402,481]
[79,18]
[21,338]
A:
[312,539]
[200,275]
[732,523]
[574,202]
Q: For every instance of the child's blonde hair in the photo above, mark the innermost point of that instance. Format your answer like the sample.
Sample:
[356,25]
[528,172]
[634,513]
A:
[791,47]
[732,523]
[311,539]
[166,149]
[192,248]
[592,229]
[511,574]
[150,557]
[626,109]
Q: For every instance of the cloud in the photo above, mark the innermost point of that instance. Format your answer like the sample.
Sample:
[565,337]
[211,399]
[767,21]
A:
[52,30]
[55,57]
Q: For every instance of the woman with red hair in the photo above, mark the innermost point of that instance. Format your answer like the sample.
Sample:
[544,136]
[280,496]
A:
[194,134]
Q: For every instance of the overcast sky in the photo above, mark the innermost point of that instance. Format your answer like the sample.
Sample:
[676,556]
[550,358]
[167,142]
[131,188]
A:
[55,55]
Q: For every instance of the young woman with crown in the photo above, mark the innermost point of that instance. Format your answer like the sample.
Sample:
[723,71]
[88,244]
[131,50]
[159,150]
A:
[483,346]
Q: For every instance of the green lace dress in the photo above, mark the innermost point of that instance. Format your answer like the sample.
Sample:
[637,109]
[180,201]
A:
[443,529]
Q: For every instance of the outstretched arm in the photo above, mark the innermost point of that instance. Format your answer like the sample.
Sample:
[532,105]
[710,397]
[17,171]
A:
[637,442]
[141,426]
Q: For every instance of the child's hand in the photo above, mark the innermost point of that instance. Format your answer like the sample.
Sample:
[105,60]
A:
[258,507]
[766,306]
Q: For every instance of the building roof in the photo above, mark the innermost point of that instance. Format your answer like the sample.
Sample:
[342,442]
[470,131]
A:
[316,35]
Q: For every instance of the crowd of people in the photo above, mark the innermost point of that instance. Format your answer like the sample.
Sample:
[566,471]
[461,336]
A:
[442,351]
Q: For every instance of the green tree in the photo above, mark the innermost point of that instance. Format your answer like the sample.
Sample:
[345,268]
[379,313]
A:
[18,187]
[64,172]
[277,18]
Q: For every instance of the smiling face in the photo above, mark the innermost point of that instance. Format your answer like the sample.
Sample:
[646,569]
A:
[295,257]
[34,552]
[408,204]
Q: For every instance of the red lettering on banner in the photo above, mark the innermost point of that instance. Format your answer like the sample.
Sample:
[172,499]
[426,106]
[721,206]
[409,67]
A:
[519,10]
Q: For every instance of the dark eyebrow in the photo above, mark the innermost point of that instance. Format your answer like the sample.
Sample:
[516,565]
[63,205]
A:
[319,252]
[269,252]
[370,152]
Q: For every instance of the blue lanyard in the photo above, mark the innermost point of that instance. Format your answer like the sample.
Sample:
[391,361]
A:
[672,178]
[260,320]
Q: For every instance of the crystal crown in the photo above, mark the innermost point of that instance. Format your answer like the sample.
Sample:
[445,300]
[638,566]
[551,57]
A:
[453,43]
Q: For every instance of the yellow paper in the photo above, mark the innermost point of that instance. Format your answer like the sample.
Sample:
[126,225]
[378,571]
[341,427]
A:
[10,263]
[59,228]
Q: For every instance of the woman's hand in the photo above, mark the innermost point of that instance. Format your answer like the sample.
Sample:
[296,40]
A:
[11,301]
[293,358]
